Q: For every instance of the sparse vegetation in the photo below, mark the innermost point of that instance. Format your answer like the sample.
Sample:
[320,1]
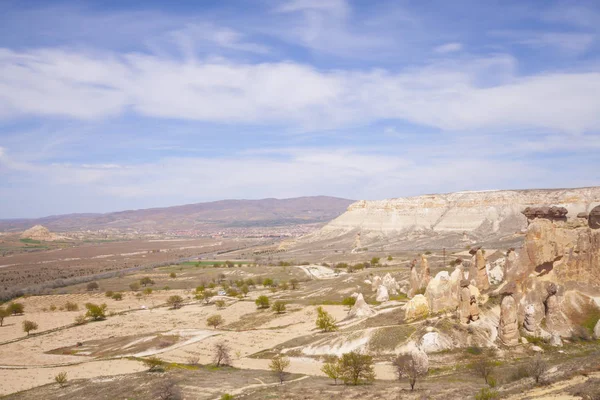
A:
[80,319]
[407,366]
[3,314]
[153,363]
[332,368]
[487,394]
[16,308]
[29,326]
[484,366]
[168,390]
[134,286]
[145,281]
[349,301]
[117,296]
[279,307]
[96,312]
[172,275]
[175,302]
[61,379]
[537,367]
[215,321]
[279,364]
[69,306]
[356,368]
[222,354]
[262,302]
[325,321]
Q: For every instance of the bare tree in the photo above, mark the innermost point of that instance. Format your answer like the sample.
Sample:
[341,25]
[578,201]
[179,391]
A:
[407,366]
[193,359]
[484,366]
[168,390]
[537,368]
[222,356]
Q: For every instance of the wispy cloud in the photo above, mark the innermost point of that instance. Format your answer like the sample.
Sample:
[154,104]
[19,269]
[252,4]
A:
[448,48]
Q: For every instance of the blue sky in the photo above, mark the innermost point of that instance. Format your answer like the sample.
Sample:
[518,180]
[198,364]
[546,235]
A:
[113,105]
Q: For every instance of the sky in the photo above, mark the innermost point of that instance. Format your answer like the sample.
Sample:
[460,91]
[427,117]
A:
[114,105]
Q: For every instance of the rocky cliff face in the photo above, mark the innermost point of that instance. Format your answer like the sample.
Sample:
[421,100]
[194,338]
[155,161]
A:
[474,214]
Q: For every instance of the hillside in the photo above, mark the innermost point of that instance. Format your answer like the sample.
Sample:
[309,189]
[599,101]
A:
[447,219]
[217,214]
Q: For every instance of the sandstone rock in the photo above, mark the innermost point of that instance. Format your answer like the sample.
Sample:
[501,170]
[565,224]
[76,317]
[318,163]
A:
[360,309]
[39,232]
[382,294]
[376,282]
[597,330]
[415,281]
[545,212]
[594,218]
[482,281]
[439,293]
[511,264]
[537,349]
[433,342]
[529,323]
[508,331]
[417,307]
[556,321]
[425,272]
[496,275]
[468,309]
[390,283]
[555,341]
[455,278]
[404,286]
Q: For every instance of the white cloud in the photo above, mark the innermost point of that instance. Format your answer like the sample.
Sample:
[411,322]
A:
[448,48]
[467,94]
[569,43]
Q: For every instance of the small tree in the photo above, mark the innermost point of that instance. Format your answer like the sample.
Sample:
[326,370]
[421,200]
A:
[227,396]
[278,365]
[390,258]
[375,260]
[153,363]
[145,281]
[16,308]
[109,293]
[537,368]
[134,286]
[356,368]
[61,379]
[96,312]
[29,326]
[168,390]
[93,286]
[173,275]
[147,291]
[349,302]
[332,368]
[215,321]
[407,366]
[262,302]
[222,354]
[220,304]
[279,307]
[3,314]
[175,302]
[325,321]
[294,283]
[117,296]
[244,289]
[69,306]
[484,367]
[267,282]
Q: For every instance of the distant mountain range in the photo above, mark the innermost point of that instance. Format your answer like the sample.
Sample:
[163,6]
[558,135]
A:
[216,214]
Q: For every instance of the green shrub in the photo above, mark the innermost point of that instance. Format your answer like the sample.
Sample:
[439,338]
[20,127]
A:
[96,312]
[109,293]
[69,306]
[486,394]
[262,302]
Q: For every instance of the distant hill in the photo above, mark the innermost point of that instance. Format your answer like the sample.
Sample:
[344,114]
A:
[216,214]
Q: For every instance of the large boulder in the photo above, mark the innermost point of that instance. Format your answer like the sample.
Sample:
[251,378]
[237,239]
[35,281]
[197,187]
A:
[360,309]
[382,294]
[417,307]
[433,342]
[439,293]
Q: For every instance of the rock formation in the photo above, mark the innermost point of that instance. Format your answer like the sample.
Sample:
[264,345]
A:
[559,213]
[594,218]
[415,282]
[417,307]
[510,264]
[360,309]
[382,294]
[390,283]
[468,309]
[597,330]
[418,355]
[556,321]
[425,272]
[529,322]
[439,293]
[486,215]
[376,282]
[39,232]
[481,279]
[433,342]
[508,331]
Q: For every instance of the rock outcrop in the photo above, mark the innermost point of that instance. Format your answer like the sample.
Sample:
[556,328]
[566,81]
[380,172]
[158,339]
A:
[415,281]
[508,331]
[468,310]
[439,293]
[446,218]
[481,278]
[425,272]
[375,282]
[382,294]
[390,283]
[433,342]
[39,232]
[559,213]
[360,309]
[529,323]
[417,307]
